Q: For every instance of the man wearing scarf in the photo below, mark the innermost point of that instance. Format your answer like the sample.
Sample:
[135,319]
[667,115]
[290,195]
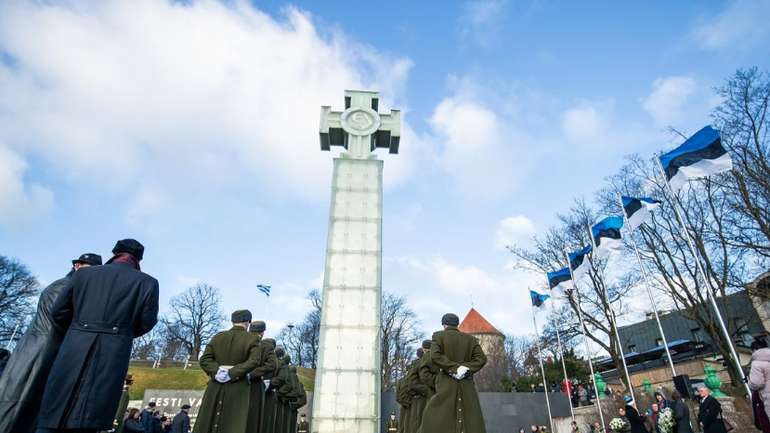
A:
[22,386]
[455,407]
[101,310]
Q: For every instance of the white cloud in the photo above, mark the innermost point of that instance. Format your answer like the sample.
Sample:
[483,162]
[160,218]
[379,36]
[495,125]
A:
[479,21]
[19,202]
[669,98]
[583,123]
[191,97]
[514,230]
[741,25]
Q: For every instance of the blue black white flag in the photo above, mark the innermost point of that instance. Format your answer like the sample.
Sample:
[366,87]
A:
[606,234]
[578,261]
[264,288]
[701,155]
[538,299]
[560,281]
[637,209]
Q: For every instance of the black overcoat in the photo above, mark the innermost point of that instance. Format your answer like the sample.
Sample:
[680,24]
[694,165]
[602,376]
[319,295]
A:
[181,423]
[682,416]
[710,415]
[103,308]
[21,388]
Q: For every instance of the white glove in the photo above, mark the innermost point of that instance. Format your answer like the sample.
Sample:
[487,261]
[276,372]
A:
[461,372]
[223,375]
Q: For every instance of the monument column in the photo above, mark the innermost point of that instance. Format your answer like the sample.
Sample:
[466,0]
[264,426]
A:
[346,397]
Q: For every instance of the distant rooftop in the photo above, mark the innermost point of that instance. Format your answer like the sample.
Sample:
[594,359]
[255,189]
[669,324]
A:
[475,323]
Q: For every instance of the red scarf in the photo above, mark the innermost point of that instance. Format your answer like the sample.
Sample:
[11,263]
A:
[126,258]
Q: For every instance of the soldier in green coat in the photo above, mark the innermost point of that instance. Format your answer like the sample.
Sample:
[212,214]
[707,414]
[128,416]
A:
[285,393]
[419,391]
[455,407]
[297,399]
[265,368]
[228,358]
[272,405]
[404,396]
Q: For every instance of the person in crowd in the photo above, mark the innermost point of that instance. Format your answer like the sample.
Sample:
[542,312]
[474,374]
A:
[420,391]
[532,387]
[157,422]
[166,421]
[635,420]
[759,374]
[102,309]
[265,367]
[146,416]
[181,422]
[303,426]
[458,356]
[681,413]
[652,418]
[392,426]
[582,395]
[710,412]
[21,389]
[534,428]
[133,423]
[228,358]
[522,430]
[661,400]
[596,427]
[574,427]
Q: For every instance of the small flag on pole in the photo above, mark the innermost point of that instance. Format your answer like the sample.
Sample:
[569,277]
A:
[606,234]
[538,299]
[701,155]
[638,209]
[578,261]
[560,281]
[264,288]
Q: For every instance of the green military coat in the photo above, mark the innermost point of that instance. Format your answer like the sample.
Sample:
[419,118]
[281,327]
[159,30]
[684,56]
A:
[272,408]
[265,368]
[420,393]
[225,405]
[455,407]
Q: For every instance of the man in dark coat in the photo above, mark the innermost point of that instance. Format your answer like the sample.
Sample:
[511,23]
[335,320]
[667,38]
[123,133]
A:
[420,392]
[228,358]
[303,426]
[270,405]
[634,419]
[681,413]
[102,309]
[710,412]
[181,422]
[455,407]
[146,416]
[295,400]
[21,389]
[284,392]
[265,367]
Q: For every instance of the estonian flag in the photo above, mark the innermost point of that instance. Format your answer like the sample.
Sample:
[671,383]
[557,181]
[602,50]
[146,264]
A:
[538,299]
[700,156]
[606,234]
[264,288]
[578,261]
[560,281]
[638,209]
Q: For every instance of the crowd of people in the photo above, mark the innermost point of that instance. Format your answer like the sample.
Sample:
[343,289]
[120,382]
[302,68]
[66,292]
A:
[151,420]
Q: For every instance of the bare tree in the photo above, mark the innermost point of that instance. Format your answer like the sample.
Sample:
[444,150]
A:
[149,345]
[301,340]
[400,338]
[517,350]
[18,288]
[195,317]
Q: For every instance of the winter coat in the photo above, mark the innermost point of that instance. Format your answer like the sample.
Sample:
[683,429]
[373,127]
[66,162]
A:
[420,393]
[710,415]
[272,406]
[22,385]
[455,407]
[133,426]
[224,405]
[103,309]
[759,375]
[145,417]
[635,420]
[681,415]
[265,367]
[181,423]
[404,401]
[761,421]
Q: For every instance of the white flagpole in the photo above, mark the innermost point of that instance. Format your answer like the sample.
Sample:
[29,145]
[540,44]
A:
[542,369]
[686,233]
[585,340]
[8,345]
[613,323]
[647,286]
[567,384]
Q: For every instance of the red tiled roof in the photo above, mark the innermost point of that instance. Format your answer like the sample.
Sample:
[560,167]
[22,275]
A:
[475,323]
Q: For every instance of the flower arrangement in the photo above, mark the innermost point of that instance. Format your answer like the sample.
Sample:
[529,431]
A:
[666,420]
[619,425]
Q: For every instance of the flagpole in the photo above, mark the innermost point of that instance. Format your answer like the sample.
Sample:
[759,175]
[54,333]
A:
[613,322]
[567,384]
[585,340]
[648,286]
[542,369]
[686,233]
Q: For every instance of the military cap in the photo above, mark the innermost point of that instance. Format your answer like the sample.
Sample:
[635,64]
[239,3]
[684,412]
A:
[257,326]
[420,352]
[279,352]
[241,316]
[269,341]
[450,319]
[88,259]
[130,246]
[426,344]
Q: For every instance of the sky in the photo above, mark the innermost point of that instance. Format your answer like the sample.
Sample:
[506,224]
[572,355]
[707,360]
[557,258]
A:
[193,127]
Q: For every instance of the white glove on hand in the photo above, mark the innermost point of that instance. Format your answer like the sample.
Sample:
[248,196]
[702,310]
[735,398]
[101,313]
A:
[223,375]
[461,372]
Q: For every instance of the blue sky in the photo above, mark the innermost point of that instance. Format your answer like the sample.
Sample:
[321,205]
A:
[193,128]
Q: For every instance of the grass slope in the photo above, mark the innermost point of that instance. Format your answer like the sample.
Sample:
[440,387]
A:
[192,378]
